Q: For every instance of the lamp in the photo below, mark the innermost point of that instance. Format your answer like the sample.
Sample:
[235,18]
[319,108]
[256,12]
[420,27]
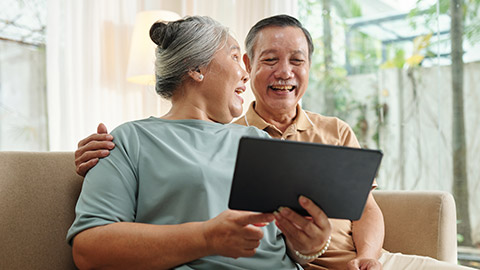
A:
[141,60]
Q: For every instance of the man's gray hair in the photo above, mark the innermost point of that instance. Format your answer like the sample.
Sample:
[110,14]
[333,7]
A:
[184,45]
[280,21]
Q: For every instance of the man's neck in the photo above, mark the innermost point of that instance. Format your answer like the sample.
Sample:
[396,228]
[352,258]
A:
[281,119]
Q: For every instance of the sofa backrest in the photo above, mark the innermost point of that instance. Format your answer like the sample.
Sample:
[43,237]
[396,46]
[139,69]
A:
[38,193]
[39,190]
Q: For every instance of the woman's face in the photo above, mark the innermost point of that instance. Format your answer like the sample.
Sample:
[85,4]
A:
[224,82]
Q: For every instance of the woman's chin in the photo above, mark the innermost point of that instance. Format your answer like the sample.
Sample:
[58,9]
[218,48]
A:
[237,111]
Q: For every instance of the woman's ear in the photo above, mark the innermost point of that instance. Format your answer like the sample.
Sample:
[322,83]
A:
[196,75]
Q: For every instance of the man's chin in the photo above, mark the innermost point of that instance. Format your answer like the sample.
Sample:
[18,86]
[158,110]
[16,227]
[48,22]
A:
[282,104]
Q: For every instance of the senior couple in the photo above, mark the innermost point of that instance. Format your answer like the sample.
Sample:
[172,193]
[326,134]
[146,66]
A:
[156,192]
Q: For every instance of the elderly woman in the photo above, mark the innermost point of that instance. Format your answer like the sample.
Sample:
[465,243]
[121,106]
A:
[159,200]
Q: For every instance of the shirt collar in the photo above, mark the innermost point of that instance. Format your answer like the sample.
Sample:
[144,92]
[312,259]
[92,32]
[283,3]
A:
[252,118]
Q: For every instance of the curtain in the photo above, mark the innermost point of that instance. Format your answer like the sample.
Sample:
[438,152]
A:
[87,56]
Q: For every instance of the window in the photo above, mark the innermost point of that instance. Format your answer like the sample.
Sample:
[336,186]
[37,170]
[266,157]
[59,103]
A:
[23,108]
[385,67]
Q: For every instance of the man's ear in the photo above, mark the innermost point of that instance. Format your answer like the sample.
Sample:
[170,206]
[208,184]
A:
[246,61]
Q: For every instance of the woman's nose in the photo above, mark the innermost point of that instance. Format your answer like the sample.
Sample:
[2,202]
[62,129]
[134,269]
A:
[245,76]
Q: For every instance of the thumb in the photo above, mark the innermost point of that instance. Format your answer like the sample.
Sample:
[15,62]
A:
[101,129]
[255,218]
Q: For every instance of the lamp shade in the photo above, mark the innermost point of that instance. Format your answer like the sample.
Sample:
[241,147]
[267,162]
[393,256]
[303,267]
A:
[141,61]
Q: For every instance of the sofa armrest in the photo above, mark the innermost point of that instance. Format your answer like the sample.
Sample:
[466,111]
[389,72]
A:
[419,223]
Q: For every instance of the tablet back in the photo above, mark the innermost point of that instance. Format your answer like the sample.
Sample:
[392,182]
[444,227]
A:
[270,173]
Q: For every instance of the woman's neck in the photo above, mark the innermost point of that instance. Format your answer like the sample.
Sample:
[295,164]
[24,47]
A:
[186,110]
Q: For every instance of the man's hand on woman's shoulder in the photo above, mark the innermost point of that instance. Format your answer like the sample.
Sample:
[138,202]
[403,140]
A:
[90,149]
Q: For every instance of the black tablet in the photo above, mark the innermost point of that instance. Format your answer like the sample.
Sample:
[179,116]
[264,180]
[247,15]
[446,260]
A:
[270,173]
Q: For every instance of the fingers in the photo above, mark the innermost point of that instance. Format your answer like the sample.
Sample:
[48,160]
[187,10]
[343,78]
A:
[250,247]
[98,144]
[248,252]
[353,265]
[94,149]
[257,219]
[318,221]
[251,224]
[88,159]
[91,149]
[235,233]
[295,227]
[83,168]
[91,155]
[252,233]
[251,244]
[364,264]
[318,216]
[306,234]
[95,137]
[102,128]
[94,142]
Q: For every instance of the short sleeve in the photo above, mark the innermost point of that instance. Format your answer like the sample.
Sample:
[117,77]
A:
[347,136]
[110,188]
[349,139]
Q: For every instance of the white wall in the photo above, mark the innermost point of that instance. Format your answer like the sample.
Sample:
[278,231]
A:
[427,154]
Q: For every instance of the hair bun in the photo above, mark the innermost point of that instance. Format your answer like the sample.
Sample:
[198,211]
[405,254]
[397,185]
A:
[157,32]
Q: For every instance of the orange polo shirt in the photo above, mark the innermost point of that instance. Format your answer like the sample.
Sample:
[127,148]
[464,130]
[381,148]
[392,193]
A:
[312,127]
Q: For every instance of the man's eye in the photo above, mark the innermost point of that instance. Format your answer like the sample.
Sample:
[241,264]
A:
[236,58]
[297,62]
[269,60]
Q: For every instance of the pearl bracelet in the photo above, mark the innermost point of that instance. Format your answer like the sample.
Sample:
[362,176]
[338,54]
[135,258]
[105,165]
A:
[318,254]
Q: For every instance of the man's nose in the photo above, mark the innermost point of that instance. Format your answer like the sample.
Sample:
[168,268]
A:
[284,70]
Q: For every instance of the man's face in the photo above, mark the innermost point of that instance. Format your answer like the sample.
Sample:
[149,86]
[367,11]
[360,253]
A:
[279,69]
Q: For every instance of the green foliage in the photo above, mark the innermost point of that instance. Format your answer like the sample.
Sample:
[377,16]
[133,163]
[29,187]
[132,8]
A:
[364,53]
[398,61]
[460,237]
[472,31]
[347,8]
[471,9]
[420,50]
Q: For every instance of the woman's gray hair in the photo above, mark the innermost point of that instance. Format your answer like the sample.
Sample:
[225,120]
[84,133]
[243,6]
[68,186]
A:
[183,46]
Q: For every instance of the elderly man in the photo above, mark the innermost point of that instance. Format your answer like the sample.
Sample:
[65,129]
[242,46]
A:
[278,59]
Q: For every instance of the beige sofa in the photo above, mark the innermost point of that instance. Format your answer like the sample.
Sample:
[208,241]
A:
[38,192]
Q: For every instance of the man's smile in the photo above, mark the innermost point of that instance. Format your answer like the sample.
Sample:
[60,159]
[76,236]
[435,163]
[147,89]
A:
[285,88]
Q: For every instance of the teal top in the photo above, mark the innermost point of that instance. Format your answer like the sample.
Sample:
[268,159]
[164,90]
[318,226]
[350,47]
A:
[172,172]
